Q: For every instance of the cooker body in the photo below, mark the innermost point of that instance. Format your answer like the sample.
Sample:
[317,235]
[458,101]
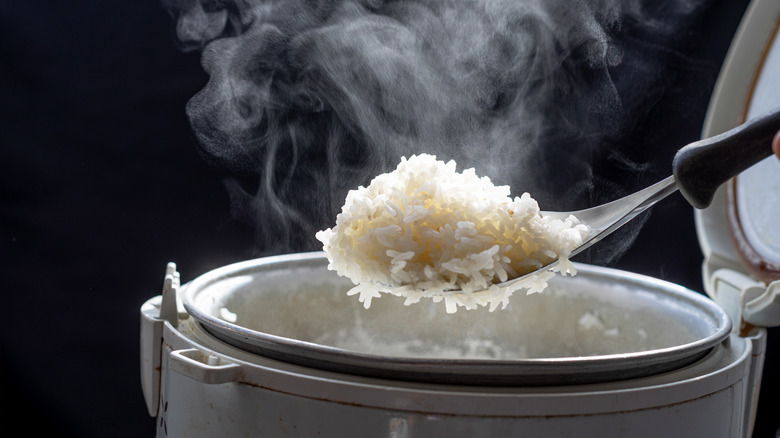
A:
[202,382]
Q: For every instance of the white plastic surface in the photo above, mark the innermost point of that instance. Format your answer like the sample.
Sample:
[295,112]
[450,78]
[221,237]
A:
[168,307]
[155,313]
[748,85]
[151,350]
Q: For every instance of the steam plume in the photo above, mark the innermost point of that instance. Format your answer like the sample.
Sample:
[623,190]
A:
[308,99]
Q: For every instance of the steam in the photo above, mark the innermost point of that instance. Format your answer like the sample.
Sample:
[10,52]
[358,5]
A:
[308,99]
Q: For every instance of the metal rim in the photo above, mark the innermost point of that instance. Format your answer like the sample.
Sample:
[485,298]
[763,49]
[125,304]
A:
[526,372]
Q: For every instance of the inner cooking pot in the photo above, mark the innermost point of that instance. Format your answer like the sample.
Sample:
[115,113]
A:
[600,325]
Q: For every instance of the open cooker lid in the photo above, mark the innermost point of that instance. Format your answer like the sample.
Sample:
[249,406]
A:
[739,232]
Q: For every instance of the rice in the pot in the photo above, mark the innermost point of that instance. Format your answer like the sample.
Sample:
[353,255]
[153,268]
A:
[426,231]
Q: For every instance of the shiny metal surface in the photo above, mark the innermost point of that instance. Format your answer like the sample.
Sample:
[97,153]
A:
[602,325]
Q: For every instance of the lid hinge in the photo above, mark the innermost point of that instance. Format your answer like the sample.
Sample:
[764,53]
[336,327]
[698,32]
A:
[748,302]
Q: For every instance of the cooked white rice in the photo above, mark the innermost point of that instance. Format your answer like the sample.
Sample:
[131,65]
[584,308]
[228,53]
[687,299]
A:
[427,231]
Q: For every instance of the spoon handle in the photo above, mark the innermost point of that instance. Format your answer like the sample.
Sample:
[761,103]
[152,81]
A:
[701,167]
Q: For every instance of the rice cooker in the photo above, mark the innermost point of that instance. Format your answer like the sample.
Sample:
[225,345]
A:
[275,347]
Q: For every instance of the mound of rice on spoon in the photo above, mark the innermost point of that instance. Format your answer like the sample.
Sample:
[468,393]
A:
[426,231]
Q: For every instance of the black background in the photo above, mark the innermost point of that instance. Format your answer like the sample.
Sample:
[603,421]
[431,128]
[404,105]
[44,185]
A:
[101,185]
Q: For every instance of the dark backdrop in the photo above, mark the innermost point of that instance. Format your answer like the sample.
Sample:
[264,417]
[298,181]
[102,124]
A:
[101,185]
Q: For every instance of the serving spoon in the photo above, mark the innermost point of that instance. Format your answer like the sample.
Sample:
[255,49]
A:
[699,169]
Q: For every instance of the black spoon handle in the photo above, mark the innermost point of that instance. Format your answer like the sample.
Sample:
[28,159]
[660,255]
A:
[701,167]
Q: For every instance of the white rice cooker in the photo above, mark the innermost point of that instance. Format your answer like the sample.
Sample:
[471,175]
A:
[275,347]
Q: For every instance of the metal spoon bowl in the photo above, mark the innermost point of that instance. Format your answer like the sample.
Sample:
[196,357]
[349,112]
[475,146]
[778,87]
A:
[699,170]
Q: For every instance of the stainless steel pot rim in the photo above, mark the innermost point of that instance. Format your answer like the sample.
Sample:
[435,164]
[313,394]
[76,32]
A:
[583,369]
